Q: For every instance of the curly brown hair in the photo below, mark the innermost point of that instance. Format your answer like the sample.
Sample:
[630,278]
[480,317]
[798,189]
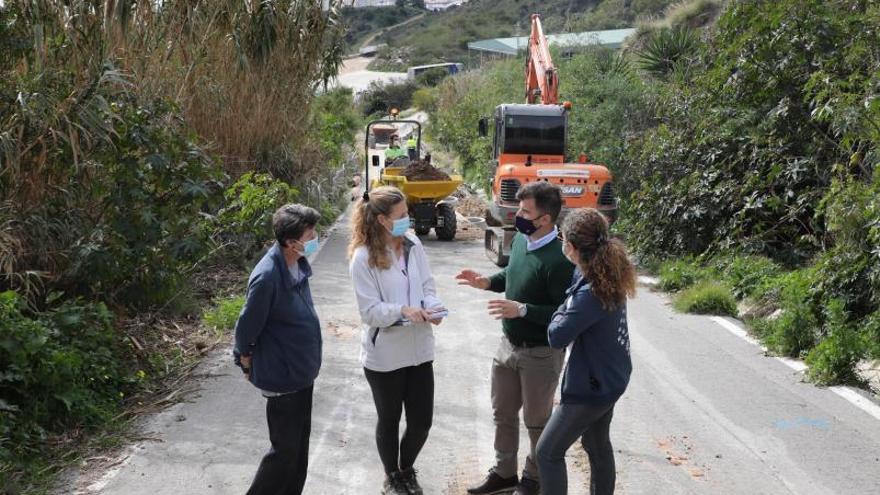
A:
[366,229]
[603,260]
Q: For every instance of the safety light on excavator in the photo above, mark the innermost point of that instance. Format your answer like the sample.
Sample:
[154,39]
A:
[566,105]
[582,158]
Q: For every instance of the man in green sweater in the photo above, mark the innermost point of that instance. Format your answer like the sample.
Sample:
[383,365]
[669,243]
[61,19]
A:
[525,370]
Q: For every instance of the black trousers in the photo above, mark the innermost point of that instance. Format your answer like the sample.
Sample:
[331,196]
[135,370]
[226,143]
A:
[412,389]
[283,469]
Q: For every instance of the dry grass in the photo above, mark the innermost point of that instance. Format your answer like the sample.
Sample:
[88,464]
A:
[245,78]
[691,14]
[242,74]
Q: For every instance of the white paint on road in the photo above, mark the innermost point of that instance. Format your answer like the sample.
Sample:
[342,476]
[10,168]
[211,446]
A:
[858,399]
[847,393]
[735,329]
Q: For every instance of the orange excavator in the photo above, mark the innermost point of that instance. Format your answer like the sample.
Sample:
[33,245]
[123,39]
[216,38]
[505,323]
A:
[529,145]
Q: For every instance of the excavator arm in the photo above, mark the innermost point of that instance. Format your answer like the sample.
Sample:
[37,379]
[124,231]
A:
[542,78]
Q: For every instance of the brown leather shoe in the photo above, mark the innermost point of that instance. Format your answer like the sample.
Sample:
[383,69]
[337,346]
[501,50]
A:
[494,484]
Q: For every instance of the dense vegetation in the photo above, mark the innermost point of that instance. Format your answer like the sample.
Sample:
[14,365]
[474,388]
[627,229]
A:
[443,36]
[379,98]
[745,151]
[142,146]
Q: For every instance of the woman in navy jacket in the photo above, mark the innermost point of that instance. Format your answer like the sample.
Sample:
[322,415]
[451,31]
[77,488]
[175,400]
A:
[592,320]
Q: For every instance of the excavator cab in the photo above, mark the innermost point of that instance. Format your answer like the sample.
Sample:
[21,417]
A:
[531,130]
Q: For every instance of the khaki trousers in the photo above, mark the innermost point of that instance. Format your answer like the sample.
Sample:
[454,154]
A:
[522,378]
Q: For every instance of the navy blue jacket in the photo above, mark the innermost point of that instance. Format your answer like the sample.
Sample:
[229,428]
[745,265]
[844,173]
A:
[278,326]
[599,364]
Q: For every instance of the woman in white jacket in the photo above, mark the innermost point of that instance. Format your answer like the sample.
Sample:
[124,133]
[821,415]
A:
[398,304]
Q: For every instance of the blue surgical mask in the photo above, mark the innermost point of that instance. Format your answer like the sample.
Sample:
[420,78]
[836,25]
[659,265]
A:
[401,225]
[310,247]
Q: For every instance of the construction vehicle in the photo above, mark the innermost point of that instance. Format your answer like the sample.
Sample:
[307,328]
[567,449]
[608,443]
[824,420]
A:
[430,203]
[382,134]
[530,145]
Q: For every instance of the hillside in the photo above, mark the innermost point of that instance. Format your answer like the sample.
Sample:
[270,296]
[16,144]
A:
[443,36]
[362,22]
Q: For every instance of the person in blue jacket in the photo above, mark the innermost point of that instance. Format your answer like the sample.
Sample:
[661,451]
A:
[278,347]
[592,320]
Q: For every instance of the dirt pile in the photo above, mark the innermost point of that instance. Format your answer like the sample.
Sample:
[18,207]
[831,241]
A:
[421,170]
[471,206]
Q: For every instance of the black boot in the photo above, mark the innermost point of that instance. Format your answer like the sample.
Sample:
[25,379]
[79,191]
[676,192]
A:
[527,486]
[494,484]
[394,485]
[410,481]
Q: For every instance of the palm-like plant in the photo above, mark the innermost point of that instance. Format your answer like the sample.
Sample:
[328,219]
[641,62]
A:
[613,64]
[669,49]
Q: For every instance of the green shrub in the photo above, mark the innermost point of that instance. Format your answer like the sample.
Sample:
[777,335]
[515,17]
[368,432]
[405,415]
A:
[222,316]
[747,275]
[382,97]
[334,123]
[871,331]
[792,333]
[425,99]
[707,298]
[850,270]
[61,368]
[246,220]
[680,274]
[125,223]
[790,288]
[432,77]
[834,359]
[797,328]
[329,211]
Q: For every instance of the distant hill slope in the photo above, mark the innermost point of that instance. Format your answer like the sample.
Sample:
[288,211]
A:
[443,36]
[361,23]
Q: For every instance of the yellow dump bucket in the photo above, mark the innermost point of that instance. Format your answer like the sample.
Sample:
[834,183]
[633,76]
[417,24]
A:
[416,191]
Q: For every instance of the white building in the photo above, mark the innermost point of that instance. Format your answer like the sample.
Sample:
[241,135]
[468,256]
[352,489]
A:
[369,3]
[442,4]
[434,5]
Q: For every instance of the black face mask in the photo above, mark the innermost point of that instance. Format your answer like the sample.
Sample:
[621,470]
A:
[525,226]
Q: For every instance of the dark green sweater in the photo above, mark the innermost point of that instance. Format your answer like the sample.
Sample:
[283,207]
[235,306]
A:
[537,278]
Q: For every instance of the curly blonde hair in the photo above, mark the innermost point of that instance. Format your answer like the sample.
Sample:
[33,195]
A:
[366,230]
[603,260]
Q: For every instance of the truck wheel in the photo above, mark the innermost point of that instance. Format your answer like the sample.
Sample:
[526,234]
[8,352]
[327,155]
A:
[420,231]
[447,231]
[490,220]
[495,249]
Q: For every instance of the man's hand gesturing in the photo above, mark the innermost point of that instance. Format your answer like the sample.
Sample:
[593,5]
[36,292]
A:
[472,279]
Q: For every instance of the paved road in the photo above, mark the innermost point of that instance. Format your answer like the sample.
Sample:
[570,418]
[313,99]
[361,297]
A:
[354,74]
[706,412]
[360,80]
